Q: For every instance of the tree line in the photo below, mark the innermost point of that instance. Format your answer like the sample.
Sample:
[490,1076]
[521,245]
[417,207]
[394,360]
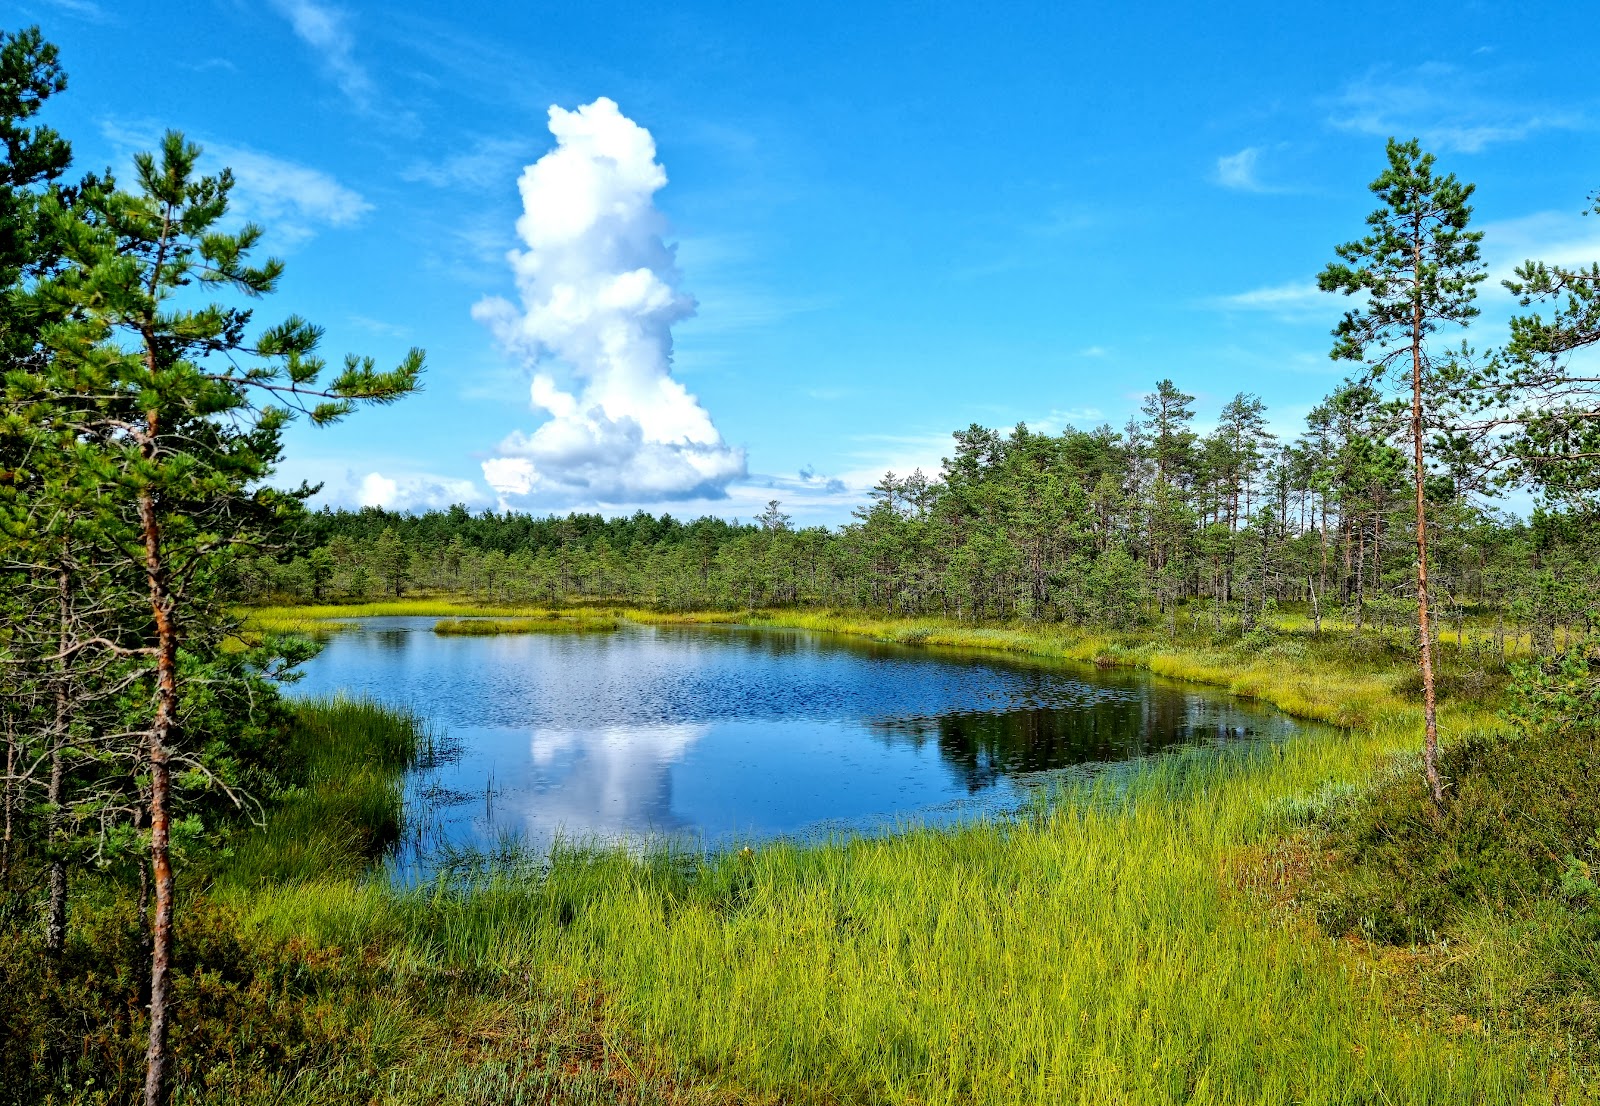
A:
[1082,526]
[1380,508]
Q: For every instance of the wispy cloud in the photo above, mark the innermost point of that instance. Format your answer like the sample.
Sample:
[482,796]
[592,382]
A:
[487,163]
[729,274]
[379,326]
[1065,219]
[1057,421]
[292,201]
[1297,298]
[325,30]
[83,9]
[1295,301]
[900,454]
[1443,105]
[1554,237]
[812,480]
[1239,171]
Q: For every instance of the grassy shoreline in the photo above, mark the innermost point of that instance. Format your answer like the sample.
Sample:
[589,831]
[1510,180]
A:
[1139,944]
[1334,691]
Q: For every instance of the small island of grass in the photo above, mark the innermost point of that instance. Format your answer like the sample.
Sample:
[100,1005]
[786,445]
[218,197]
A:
[548,624]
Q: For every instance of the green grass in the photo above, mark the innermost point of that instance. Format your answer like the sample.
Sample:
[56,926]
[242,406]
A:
[1145,939]
[537,624]
[348,807]
[1102,950]
[322,617]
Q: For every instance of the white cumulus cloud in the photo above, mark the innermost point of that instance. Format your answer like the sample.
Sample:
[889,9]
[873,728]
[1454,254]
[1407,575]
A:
[405,492]
[599,294]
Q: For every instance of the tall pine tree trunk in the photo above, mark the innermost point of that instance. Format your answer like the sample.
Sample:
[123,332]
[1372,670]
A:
[9,800]
[55,915]
[1361,569]
[55,925]
[1430,713]
[163,734]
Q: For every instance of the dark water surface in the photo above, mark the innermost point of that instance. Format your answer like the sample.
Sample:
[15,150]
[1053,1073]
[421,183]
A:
[729,734]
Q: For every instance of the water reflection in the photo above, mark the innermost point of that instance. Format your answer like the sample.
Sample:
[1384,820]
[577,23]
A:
[730,733]
[988,746]
[612,782]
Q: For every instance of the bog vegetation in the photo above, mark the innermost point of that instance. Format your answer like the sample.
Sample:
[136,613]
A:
[1403,913]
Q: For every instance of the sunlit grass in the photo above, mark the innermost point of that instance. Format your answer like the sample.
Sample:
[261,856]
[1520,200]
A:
[326,617]
[582,622]
[1105,948]
[1100,950]
[353,753]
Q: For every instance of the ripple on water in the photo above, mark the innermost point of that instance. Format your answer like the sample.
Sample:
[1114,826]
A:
[732,734]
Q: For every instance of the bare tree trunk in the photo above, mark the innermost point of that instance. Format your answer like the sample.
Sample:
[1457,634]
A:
[1361,569]
[1322,545]
[55,925]
[10,801]
[1430,712]
[162,735]
[1349,539]
[55,915]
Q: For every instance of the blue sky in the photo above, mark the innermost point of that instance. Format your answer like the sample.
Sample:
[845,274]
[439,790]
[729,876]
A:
[890,220]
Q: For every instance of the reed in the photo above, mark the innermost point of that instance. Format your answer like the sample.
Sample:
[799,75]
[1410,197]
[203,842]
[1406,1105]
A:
[351,755]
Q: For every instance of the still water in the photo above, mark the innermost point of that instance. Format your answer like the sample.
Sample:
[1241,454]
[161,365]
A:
[729,734]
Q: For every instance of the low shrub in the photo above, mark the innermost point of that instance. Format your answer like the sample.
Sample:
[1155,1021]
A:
[1520,813]
[1505,867]
[75,1028]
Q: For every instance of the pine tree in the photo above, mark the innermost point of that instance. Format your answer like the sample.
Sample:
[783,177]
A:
[1167,415]
[1419,268]
[197,434]
[1556,410]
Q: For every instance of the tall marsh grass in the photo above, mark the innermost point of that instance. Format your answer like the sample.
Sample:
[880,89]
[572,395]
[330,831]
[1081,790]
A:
[1107,947]
[1098,951]
[353,754]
